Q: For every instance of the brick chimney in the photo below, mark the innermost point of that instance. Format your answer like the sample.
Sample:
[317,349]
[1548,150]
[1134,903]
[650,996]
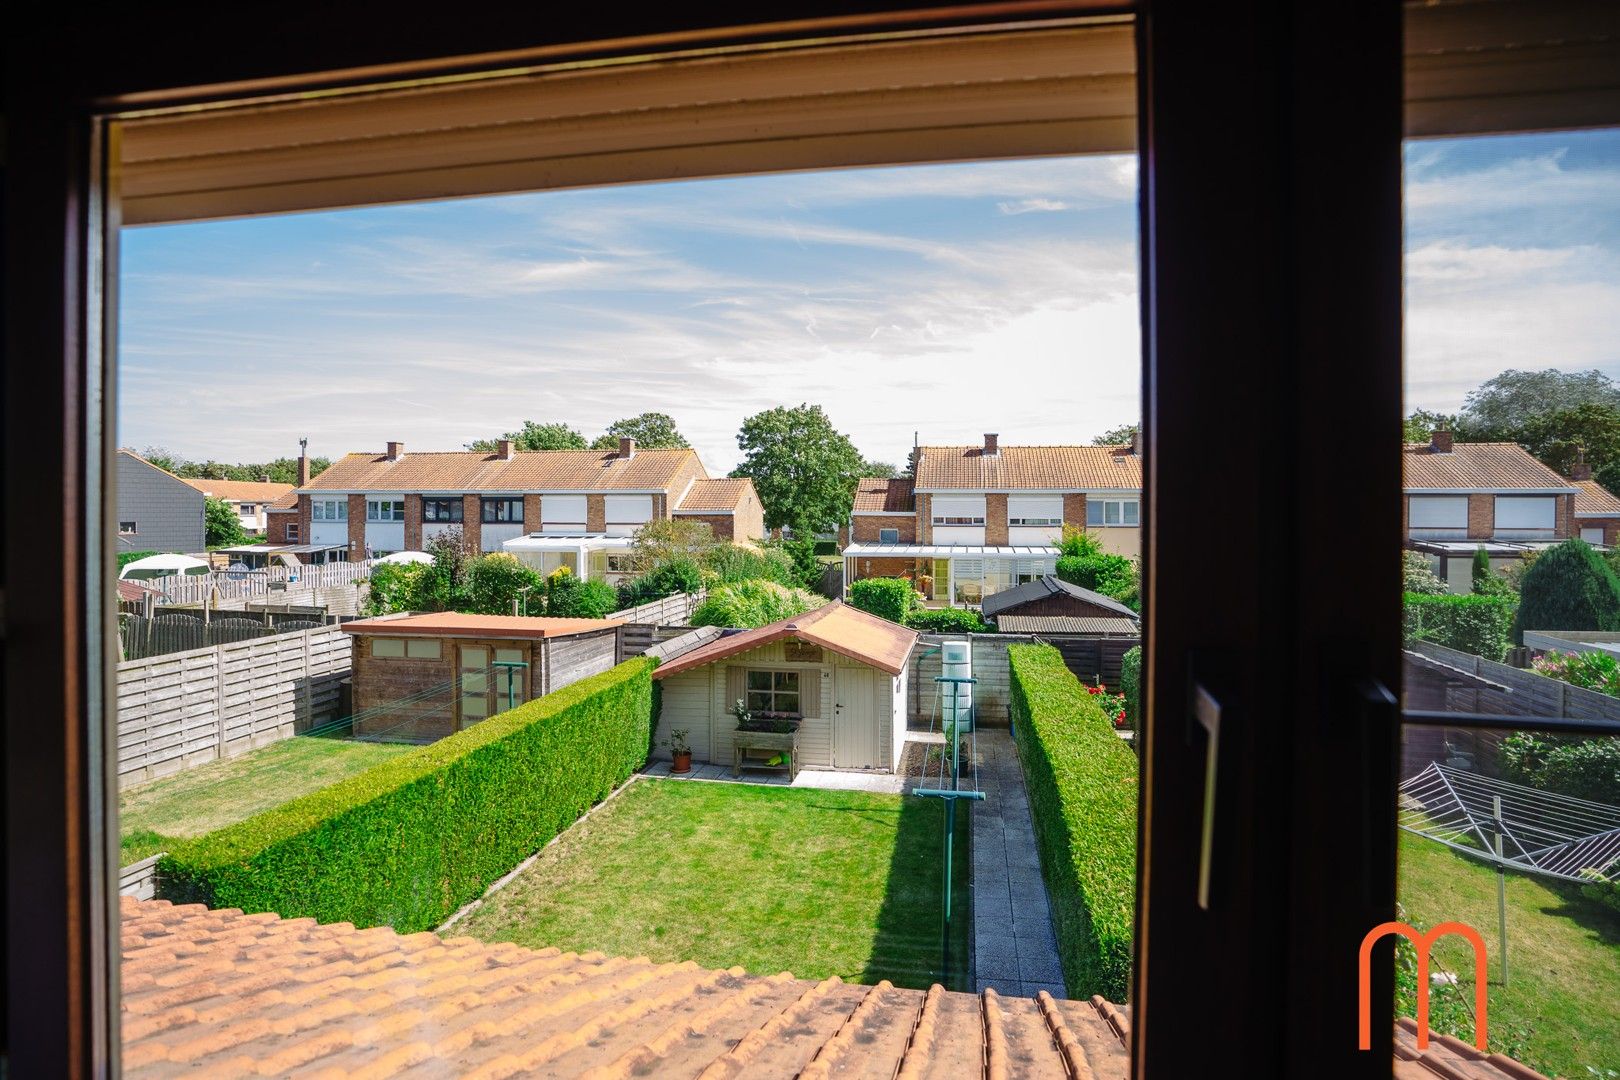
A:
[264,479]
[1580,470]
[1440,441]
[303,466]
[503,449]
[1136,443]
[991,444]
[396,450]
[627,448]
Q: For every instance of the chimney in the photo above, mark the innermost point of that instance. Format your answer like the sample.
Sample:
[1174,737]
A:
[1136,443]
[991,449]
[1440,441]
[396,450]
[627,448]
[1580,470]
[503,449]
[265,479]
[303,462]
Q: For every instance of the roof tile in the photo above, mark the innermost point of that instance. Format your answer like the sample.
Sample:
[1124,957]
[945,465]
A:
[1477,467]
[723,493]
[540,470]
[1592,497]
[876,495]
[241,490]
[1037,468]
[837,626]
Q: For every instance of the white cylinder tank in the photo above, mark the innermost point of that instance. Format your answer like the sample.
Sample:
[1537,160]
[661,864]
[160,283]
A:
[956,699]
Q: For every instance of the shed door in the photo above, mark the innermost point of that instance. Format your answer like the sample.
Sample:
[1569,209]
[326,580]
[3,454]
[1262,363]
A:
[472,678]
[855,720]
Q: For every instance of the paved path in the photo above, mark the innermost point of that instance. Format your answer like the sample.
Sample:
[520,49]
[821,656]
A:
[830,779]
[1014,948]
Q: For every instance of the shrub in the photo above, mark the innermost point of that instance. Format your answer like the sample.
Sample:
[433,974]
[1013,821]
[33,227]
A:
[1589,670]
[1569,588]
[1112,575]
[946,621]
[1418,578]
[127,557]
[399,587]
[731,563]
[678,575]
[1082,794]
[492,582]
[748,604]
[1564,764]
[1478,625]
[408,842]
[567,597]
[886,597]
[1481,568]
[806,567]
[1130,681]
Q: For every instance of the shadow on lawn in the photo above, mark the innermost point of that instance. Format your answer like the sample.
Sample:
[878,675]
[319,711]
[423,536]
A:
[1602,922]
[907,948]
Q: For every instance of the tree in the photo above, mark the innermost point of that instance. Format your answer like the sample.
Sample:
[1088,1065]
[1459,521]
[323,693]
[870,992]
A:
[1481,569]
[1417,577]
[222,527]
[1559,439]
[651,430]
[1419,427]
[1512,399]
[1118,436]
[280,471]
[804,469]
[660,542]
[1568,588]
[882,470]
[534,436]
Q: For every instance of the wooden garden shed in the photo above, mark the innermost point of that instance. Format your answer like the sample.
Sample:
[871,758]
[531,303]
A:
[838,670]
[418,678]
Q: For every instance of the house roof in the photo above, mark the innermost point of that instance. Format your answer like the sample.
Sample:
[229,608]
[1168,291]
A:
[845,630]
[457,624]
[1478,467]
[1035,468]
[241,490]
[709,496]
[220,993]
[539,470]
[1049,585]
[282,505]
[1592,499]
[875,495]
[132,455]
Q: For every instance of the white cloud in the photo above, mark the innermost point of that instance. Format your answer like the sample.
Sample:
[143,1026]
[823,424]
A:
[1032,206]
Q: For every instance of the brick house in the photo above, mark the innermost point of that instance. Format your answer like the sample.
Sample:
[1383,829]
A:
[976,520]
[1597,509]
[1462,497]
[251,499]
[550,508]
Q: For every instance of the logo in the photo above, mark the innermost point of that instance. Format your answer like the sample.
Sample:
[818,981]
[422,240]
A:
[1423,943]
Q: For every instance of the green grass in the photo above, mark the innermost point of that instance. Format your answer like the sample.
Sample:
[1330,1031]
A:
[1559,1011]
[153,816]
[814,882]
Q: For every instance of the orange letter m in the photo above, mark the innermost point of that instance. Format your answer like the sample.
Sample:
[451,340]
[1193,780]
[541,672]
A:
[1423,942]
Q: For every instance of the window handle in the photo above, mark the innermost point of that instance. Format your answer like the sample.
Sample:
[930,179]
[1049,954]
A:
[1206,710]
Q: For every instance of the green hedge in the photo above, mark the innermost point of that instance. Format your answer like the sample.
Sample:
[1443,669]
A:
[886,597]
[1082,795]
[1130,678]
[1470,623]
[407,843]
[950,620]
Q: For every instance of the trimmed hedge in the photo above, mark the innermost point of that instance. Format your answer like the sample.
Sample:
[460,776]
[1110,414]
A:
[407,843]
[1470,623]
[951,620]
[886,597]
[1082,795]
[1130,680]
[1568,587]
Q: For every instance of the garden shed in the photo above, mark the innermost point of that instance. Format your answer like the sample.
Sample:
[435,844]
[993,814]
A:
[1049,595]
[837,673]
[420,677]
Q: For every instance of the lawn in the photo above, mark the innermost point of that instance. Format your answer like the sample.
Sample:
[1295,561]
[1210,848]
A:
[201,800]
[814,882]
[1560,1011]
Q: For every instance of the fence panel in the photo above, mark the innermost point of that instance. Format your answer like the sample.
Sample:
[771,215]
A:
[670,611]
[233,586]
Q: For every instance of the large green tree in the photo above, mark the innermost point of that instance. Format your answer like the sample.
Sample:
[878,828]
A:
[1558,439]
[804,469]
[536,436]
[1569,587]
[280,471]
[221,525]
[1117,436]
[1512,399]
[882,470]
[651,430]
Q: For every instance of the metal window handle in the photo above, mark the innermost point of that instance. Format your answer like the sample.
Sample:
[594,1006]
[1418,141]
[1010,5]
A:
[1207,713]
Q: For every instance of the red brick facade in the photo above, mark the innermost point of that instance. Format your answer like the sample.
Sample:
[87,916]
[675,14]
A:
[413,523]
[1481,517]
[995,519]
[531,513]
[1074,510]
[595,513]
[472,527]
[868,527]
[357,525]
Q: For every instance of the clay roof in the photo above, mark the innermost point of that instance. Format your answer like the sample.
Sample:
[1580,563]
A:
[540,470]
[457,624]
[241,490]
[1049,585]
[1477,467]
[708,496]
[1051,468]
[288,501]
[1592,498]
[876,495]
[845,630]
[1451,1059]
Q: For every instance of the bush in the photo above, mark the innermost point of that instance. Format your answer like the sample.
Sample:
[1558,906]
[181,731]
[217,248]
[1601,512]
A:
[127,557]
[1590,670]
[491,582]
[1130,679]
[408,842]
[1478,625]
[1082,794]
[567,597]
[399,587]
[1569,588]
[946,621]
[731,563]
[806,567]
[886,597]
[1418,578]
[748,604]
[1564,764]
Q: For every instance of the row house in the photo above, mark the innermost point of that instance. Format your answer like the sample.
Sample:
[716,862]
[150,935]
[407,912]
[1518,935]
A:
[1462,497]
[974,520]
[549,508]
[250,500]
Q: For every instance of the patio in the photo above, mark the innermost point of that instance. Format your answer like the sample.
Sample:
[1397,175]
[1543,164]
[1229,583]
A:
[822,779]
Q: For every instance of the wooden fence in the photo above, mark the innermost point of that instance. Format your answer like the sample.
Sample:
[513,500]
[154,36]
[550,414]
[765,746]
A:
[670,611]
[1511,691]
[237,586]
[180,632]
[1088,657]
[186,708]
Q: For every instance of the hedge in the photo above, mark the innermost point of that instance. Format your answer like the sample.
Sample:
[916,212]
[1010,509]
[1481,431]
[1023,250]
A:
[886,597]
[1470,623]
[950,620]
[1568,587]
[1082,795]
[407,843]
[1130,679]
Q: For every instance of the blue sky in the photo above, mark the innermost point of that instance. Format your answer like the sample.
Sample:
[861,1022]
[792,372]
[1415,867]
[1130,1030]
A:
[950,300]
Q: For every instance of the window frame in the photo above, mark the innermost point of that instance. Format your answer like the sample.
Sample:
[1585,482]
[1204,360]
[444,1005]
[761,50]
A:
[453,509]
[486,503]
[396,508]
[774,691]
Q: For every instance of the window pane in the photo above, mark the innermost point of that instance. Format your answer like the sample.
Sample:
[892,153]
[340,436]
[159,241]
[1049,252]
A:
[1094,512]
[424,648]
[759,680]
[759,701]
[788,703]
[1132,512]
[787,680]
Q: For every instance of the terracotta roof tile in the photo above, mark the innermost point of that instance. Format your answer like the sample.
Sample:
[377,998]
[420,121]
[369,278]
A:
[287,502]
[836,626]
[1050,468]
[474,471]
[1592,497]
[241,490]
[1477,467]
[876,495]
[723,493]
[256,995]
[457,624]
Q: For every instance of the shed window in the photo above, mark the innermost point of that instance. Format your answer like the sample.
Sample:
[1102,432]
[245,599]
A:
[387,647]
[424,648]
[773,694]
[441,509]
[126,528]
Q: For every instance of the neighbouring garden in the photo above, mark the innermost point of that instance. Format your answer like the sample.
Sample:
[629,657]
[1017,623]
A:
[814,882]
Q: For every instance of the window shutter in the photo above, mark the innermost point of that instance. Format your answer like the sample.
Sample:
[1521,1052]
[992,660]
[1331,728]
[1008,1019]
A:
[810,692]
[734,686]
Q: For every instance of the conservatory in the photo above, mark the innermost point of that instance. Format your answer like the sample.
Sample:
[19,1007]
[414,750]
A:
[951,575]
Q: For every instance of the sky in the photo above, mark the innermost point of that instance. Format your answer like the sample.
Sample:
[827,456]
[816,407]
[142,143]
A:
[947,300]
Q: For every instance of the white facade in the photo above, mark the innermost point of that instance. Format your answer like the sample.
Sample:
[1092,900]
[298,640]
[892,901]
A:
[562,513]
[492,534]
[957,519]
[625,514]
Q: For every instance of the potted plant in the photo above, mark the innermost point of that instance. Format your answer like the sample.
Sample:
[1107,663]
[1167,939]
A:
[680,751]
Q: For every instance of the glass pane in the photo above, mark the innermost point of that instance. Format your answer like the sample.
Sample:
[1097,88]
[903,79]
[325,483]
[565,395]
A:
[1094,512]
[759,701]
[1111,513]
[474,656]
[1132,512]
[787,703]
[424,648]
[759,680]
[787,680]
[387,647]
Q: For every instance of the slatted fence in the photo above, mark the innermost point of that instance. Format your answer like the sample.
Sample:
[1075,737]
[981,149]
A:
[1521,693]
[236,586]
[182,709]
[670,611]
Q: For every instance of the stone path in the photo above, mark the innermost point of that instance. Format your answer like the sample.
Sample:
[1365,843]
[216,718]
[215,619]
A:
[1014,948]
